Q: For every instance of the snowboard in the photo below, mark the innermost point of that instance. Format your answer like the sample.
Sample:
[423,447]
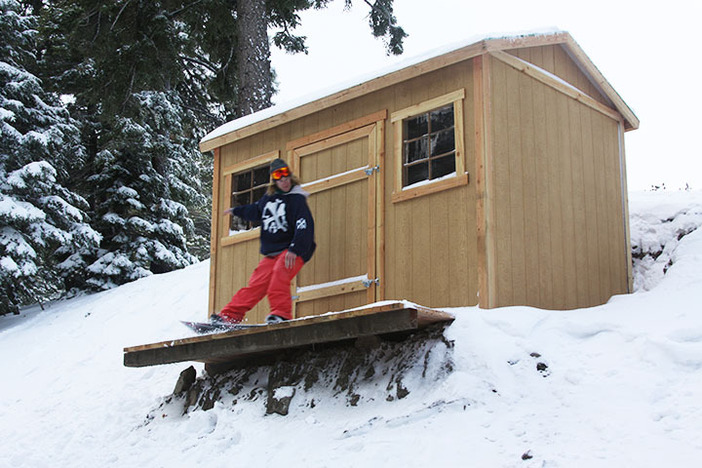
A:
[206,327]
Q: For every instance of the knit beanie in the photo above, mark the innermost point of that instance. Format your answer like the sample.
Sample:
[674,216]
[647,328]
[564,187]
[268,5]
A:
[277,164]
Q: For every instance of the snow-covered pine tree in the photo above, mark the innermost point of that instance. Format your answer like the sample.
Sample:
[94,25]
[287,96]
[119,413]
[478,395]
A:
[42,223]
[124,64]
[141,191]
[128,65]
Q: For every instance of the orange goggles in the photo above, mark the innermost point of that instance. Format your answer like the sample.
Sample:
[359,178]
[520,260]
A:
[280,173]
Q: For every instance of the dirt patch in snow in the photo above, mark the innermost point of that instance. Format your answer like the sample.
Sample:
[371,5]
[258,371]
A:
[363,370]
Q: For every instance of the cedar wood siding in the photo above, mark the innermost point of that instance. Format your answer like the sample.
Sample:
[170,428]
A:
[555,59]
[559,228]
[430,241]
[548,229]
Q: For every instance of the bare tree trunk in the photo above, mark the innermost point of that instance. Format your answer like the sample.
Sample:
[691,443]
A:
[254,55]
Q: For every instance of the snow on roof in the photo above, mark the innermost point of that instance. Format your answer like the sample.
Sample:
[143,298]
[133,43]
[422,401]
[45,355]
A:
[282,107]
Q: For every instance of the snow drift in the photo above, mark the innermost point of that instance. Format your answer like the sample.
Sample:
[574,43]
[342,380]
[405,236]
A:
[614,385]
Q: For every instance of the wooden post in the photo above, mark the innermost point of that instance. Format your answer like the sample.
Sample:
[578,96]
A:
[214,236]
[484,170]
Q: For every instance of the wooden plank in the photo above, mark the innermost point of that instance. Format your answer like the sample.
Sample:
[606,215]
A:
[604,237]
[245,236]
[481,109]
[419,250]
[544,202]
[344,256]
[380,210]
[443,251]
[498,174]
[514,235]
[326,226]
[608,170]
[338,130]
[529,242]
[334,140]
[579,197]
[290,323]
[630,120]
[428,105]
[214,230]
[430,187]
[459,123]
[489,185]
[251,163]
[555,178]
[625,209]
[227,347]
[397,156]
[556,83]
[566,139]
[590,219]
[461,247]
[371,249]
[518,42]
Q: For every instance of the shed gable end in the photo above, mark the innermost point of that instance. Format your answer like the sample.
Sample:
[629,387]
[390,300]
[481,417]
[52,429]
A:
[557,60]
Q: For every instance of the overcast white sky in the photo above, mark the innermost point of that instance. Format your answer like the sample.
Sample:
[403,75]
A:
[648,52]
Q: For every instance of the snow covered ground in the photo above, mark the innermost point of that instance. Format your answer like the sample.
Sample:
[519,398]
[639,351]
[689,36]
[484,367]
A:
[616,385]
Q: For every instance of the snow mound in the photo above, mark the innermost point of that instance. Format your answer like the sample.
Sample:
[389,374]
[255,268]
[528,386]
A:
[657,232]
[615,385]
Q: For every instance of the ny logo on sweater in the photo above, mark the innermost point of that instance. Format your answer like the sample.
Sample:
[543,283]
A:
[273,218]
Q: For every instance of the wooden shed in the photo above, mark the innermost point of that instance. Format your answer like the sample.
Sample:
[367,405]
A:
[489,174]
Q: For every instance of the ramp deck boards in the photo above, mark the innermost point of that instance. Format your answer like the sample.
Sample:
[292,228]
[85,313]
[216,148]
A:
[235,345]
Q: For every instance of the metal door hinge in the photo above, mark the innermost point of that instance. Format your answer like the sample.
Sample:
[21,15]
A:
[371,170]
[369,282]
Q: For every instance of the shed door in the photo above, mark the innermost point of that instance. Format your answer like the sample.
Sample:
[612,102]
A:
[339,168]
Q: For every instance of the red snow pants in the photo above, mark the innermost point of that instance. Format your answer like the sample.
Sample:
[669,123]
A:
[270,278]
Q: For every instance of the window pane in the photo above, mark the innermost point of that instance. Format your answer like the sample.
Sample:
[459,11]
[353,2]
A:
[416,127]
[248,187]
[238,224]
[240,199]
[441,118]
[442,142]
[417,173]
[258,193]
[443,166]
[416,150]
[261,176]
[242,182]
[429,145]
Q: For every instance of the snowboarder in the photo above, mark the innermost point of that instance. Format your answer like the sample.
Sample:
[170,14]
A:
[287,243]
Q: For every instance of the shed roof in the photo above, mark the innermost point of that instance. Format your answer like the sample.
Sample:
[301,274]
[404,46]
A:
[405,70]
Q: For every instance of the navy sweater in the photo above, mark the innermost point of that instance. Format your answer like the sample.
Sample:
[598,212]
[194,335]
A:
[286,222]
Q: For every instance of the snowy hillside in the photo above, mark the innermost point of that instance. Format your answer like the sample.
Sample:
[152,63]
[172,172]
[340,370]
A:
[611,386]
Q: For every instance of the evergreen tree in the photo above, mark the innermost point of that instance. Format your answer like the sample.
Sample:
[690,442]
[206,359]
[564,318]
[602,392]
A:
[42,223]
[142,171]
[123,63]
[145,79]
[228,52]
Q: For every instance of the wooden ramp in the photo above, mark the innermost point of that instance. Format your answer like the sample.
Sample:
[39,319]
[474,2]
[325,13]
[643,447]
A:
[237,345]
